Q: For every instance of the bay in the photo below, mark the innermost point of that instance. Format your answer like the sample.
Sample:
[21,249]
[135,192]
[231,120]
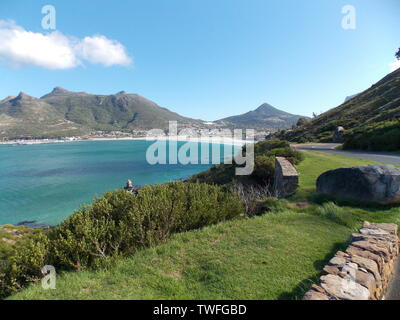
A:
[48,182]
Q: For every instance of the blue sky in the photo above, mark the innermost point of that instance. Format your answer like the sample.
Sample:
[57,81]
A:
[210,59]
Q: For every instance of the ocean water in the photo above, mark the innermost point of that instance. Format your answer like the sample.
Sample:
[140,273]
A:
[46,183]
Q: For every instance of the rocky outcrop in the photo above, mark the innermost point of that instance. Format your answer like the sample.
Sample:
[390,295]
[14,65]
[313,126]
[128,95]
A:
[364,270]
[372,183]
[286,178]
[129,187]
[338,135]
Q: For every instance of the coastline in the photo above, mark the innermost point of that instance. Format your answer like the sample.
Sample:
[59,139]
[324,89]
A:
[213,140]
[216,139]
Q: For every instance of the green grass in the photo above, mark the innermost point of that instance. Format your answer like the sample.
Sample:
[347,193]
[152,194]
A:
[345,212]
[274,256]
[316,163]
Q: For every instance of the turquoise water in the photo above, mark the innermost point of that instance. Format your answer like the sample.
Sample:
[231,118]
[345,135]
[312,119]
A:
[46,183]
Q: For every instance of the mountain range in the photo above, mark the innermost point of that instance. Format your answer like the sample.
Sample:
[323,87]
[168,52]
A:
[265,116]
[66,113]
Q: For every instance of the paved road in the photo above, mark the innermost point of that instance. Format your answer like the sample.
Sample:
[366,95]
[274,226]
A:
[385,157]
[393,292]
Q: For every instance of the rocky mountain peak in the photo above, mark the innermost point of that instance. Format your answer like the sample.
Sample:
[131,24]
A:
[59,90]
[23,96]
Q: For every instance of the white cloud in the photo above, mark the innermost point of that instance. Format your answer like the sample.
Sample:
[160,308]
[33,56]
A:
[20,47]
[99,49]
[395,65]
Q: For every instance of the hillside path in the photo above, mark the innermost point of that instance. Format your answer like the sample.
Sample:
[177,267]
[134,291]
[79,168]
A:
[385,157]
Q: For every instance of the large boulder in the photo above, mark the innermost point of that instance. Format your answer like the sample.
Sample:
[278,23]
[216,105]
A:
[372,183]
[338,135]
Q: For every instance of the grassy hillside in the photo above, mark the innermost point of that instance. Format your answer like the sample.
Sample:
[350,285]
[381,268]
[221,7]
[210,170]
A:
[376,108]
[268,257]
[26,116]
[274,256]
[120,111]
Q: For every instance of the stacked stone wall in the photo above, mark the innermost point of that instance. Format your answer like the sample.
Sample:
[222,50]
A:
[364,270]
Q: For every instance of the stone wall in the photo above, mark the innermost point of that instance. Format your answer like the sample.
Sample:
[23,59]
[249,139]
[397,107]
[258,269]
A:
[364,270]
[286,178]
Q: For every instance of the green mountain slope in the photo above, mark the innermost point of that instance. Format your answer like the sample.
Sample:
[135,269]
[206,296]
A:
[26,116]
[112,112]
[265,116]
[63,113]
[377,109]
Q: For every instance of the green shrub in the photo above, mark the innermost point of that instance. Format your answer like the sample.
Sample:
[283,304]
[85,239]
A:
[264,165]
[264,169]
[24,264]
[383,136]
[335,213]
[118,224]
[302,121]
[262,147]
[288,153]
[219,174]
[276,205]
[121,223]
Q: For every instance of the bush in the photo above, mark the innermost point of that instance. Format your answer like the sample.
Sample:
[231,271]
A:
[288,153]
[302,121]
[264,165]
[252,196]
[384,136]
[25,264]
[264,170]
[335,213]
[219,174]
[276,205]
[119,224]
[262,147]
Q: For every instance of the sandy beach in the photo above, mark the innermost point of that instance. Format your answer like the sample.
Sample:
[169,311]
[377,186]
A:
[216,139]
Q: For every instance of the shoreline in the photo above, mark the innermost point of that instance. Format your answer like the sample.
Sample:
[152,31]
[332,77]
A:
[213,140]
[216,139]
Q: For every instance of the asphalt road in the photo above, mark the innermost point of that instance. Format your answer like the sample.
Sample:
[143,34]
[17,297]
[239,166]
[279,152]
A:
[393,292]
[385,157]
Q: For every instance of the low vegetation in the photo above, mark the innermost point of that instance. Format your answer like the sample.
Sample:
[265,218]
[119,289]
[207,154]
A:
[264,168]
[117,225]
[371,119]
[11,236]
[337,214]
[383,136]
[344,212]
[276,255]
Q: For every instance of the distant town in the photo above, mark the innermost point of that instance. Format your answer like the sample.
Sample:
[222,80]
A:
[133,134]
